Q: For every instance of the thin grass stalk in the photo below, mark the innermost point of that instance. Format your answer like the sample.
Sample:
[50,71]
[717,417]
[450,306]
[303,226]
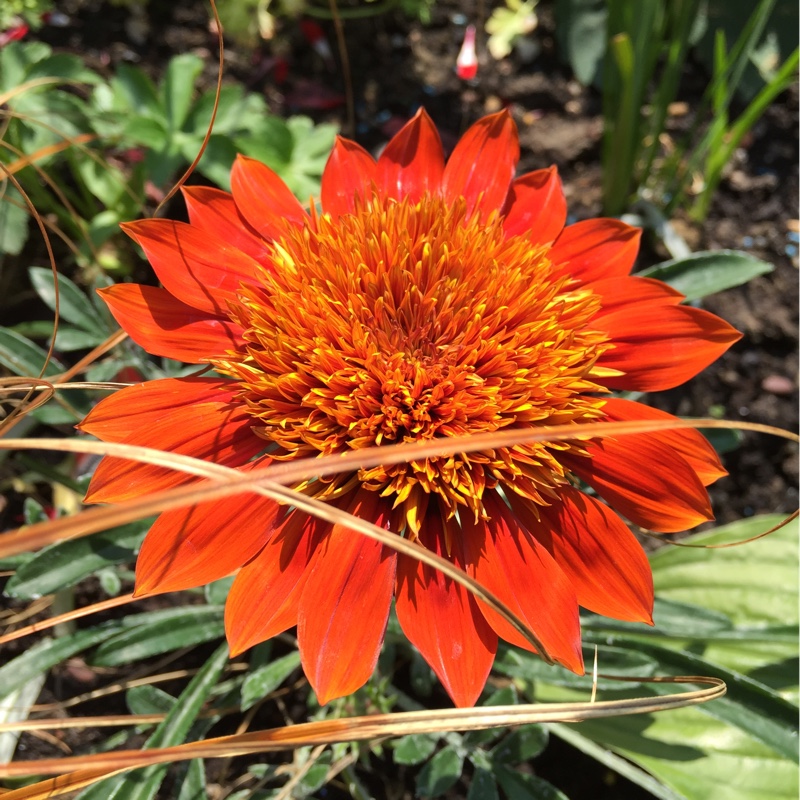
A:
[681,16]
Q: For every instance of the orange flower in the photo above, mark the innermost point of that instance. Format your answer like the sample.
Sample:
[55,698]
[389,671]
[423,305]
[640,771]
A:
[425,299]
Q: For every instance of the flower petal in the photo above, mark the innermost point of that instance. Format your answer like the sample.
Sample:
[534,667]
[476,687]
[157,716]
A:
[215,211]
[349,173]
[442,619]
[194,546]
[502,556]
[596,248]
[345,603]
[263,599]
[482,164]
[660,348]
[686,442]
[264,199]
[164,326]
[195,266]
[619,293]
[218,430]
[645,480]
[413,161]
[537,208]
[596,551]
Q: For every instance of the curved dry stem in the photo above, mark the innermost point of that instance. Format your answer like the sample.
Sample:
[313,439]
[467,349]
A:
[95,767]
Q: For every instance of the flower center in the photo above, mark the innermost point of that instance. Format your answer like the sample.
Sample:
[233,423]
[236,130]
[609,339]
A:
[406,321]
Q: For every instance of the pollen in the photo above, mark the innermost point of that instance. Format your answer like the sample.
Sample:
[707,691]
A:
[406,321]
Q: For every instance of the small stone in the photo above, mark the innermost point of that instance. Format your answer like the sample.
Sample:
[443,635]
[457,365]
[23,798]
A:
[492,104]
[777,384]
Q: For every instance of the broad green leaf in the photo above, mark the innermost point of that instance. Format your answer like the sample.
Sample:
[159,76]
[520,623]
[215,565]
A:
[161,633]
[74,305]
[216,593]
[43,655]
[671,618]
[524,743]
[193,786]
[572,735]
[65,563]
[518,663]
[135,93]
[698,756]
[177,88]
[581,34]
[143,784]
[64,66]
[705,273]
[148,700]
[414,749]
[266,679]
[482,786]
[523,786]
[440,773]
[754,584]
[25,358]
[13,223]
[748,705]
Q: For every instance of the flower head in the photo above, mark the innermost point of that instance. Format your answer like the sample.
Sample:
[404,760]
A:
[423,300]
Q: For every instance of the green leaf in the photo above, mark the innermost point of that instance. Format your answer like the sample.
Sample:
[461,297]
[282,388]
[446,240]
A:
[670,618]
[698,756]
[25,358]
[522,786]
[482,786]
[581,34]
[135,93]
[702,274]
[748,705]
[216,593]
[572,734]
[64,66]
[414,748]
[143,784]
[266,679]
[193,786]
[753,584]
[518,663]
[177,88]
[13,223]
[45,654]
[524,743]
[161,632]
[65,563]
[149,700]
[74,305]
[440,773]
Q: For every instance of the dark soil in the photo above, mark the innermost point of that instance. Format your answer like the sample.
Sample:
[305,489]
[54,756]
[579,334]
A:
[398,65]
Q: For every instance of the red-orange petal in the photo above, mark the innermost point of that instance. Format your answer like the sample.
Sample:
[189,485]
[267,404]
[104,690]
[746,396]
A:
[646,481]
[215,211]
[597,552]
[345,604]
[195,266]
[264,199]
[349,173]
[536,207]
[413,161]
[660,348]
[502,556]
[217,430]
[265,594]
[596,248]
[193,546]
[119,415]
[164,326]
[618,294]
[687,442]
[442,619]
[482,164]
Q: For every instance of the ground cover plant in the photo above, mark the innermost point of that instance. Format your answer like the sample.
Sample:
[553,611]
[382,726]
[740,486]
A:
[309,439]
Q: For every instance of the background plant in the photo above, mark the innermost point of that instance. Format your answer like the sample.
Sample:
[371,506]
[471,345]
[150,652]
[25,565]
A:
[643,48]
